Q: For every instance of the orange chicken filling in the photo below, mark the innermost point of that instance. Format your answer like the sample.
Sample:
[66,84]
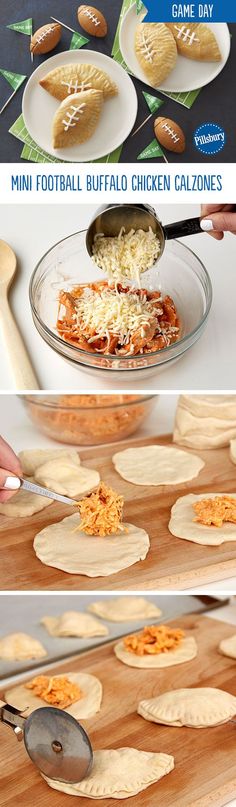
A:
[58,691]
[215,511]
[153,640]
[101,512]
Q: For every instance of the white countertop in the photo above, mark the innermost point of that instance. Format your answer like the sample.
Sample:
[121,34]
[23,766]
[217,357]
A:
[18,430]
[32,229]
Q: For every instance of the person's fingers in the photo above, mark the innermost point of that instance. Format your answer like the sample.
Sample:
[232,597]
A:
[13,484]
[8,458]
[224,221]
[217,236]
[206,209]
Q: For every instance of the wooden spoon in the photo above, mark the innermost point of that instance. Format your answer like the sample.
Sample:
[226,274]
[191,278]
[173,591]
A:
[21,367]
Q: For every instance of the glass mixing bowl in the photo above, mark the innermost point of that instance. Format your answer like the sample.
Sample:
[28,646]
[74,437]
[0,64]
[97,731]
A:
[67,264]
[88,419]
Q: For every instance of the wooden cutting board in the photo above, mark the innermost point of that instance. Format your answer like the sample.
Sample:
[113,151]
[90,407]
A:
[205,769]
[170,564]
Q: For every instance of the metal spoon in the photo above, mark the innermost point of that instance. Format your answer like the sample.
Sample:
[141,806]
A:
[21,367]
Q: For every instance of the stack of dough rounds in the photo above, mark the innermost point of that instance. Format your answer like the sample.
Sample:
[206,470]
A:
[205,421]
[228,646]
[74,623]
[66,477]
[183,526]
[119,774]
[186,651]
[87,706]
[157,465]
[60,546]
[20,646]
[32,458]
[197,708]
[124,609]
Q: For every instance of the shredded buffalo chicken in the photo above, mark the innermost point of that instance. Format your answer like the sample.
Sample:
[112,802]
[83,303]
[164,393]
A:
[153,640]
[59,691]
[117,320]
[101,512]
[214,512]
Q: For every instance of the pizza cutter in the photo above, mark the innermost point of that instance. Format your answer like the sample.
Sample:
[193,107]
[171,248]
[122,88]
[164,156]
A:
[55,742]
[110,219]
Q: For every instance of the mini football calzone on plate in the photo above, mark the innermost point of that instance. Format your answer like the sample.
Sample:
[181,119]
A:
[74,78]
[195,41]
[156,51]
[76,119]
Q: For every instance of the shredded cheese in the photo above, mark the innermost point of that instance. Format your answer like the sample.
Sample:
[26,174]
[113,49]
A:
[153,640]
[59,691]
[101,512]
[214,512]
[126,255]
[120,313]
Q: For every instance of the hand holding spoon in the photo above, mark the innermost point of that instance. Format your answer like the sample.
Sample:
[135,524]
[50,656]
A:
[21,367]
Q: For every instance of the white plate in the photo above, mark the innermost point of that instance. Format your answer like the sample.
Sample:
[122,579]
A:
[117,118]
[187,74]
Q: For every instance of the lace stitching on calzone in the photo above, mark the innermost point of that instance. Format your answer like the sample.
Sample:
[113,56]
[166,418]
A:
[186,34]
[147,49]
[72,119]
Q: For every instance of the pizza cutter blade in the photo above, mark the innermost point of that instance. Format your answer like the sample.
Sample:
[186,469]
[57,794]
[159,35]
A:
[58,745]
[55,742]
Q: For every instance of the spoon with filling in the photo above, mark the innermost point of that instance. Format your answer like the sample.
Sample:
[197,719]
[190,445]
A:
[22,371]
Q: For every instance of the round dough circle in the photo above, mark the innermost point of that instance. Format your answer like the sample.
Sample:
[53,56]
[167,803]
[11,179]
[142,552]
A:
[118,774]
[25,700]
[67,478]
[77,553]
[228,646]
[186,651]
[123,609]
[24,504]
[21,646]
[157,465]
[32,458]
[182,525]
[74,623]
[196,708]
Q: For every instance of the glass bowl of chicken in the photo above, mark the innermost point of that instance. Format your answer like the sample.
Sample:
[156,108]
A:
[130,329]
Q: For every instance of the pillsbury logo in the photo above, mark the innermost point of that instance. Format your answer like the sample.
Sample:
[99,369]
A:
[209,138]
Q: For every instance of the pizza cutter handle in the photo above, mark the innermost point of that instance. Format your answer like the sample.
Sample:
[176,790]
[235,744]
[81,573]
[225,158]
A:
[179,229]
[12,718]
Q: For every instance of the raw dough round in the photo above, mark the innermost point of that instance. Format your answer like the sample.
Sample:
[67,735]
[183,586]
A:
[186,651]
[65,477]
[24,504]
[118,774]
[157,465]
[182,525]
[228,646]
[32,458]
[196,708]
[74,623]
[233,451]
[25,700]
[123,609]
[21,646]
[77,553]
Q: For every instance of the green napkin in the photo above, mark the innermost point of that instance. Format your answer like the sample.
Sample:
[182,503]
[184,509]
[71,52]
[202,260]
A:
[34,153]
[185,98]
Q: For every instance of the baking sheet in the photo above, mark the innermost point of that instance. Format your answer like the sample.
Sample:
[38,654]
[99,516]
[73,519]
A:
[23,613]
